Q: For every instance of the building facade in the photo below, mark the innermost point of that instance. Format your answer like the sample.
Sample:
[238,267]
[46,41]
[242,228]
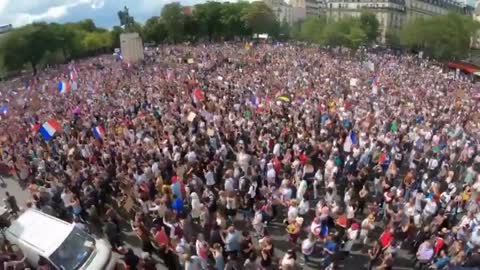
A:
[315,7]
[5,28]
[299,10]
[392,14]
[291,12]
[476,17]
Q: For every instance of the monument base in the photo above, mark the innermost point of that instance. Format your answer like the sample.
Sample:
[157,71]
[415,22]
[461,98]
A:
[131,46]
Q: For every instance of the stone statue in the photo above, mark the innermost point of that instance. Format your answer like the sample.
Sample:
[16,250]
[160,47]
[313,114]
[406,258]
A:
[123,15]
[125,19]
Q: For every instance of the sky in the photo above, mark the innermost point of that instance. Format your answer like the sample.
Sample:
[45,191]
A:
[103,12]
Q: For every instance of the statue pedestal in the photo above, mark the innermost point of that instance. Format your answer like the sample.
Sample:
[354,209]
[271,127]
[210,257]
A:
[132,47]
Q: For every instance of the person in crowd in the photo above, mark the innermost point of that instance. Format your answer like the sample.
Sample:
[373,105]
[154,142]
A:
[176,149]
[308,247]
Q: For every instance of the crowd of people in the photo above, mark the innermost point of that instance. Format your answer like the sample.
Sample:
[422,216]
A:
[217,155]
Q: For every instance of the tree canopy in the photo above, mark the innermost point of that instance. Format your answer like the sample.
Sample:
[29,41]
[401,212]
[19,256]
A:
[442,37]
[215,21]
[36,43]
[349,32]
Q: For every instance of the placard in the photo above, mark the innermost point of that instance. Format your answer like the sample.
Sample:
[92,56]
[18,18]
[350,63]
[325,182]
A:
[191,116]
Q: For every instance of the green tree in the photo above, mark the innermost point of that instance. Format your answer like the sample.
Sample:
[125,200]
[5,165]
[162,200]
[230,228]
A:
[29,44]
[136,27]
[392,38]
[296,30]
[312,29]
[86,25]
[284,30]
[191,28]
[115,36]
[356,37]
[95,41]
[232,19]
[336,33]
[346,32]
[173,18]
[442,37]
[370,26]
[209,19]
[154,30]
[13,48]
[260,18]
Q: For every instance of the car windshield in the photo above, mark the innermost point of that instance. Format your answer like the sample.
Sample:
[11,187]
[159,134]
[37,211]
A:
[74,251]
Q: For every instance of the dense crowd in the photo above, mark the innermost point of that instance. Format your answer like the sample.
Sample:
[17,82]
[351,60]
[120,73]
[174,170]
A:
[203,150]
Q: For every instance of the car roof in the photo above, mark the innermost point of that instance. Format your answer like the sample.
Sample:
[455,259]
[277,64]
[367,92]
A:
[40,231]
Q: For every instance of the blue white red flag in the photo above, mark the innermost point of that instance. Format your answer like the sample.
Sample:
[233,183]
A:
[98,132]
[63,86]
[49,128]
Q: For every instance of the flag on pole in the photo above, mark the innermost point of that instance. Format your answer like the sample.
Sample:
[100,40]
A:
[350,140]
[49,128]
[98,132]
[35,127]
[63,86]
[73,72]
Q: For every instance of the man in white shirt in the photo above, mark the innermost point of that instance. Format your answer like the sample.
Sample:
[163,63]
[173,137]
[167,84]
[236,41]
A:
[66,197]
[430,208]
[210,178]
[229,184]
[191,156]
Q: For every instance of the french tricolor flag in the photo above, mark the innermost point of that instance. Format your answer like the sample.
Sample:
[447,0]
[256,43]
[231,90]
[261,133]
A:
[350,140]
[63,86]
[256,101]
[49,128]
[98,132]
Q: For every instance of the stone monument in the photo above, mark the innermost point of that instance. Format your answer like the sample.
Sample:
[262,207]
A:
[131,44]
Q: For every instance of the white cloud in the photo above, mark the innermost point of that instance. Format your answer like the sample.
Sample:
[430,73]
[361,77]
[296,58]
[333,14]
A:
[19,14]
[3,5]
[97,4]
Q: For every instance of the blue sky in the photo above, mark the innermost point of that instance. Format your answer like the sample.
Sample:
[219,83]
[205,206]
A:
[103,12]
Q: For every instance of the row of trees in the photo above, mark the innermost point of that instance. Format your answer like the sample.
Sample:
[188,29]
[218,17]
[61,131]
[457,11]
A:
[442,37]
[213,21]
[348,32]
[41,43]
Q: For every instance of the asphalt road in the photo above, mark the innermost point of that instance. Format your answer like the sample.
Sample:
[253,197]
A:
[356,261]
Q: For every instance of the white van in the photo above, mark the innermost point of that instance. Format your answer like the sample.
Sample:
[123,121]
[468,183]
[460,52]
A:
[59,243]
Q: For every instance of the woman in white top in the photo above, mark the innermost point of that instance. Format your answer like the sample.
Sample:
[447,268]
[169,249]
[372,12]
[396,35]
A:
[352,235]
[257,223]
[302,188]
[209,176]
[308,246]
[231,205]
[368,224]
[288,261]
[202,248]
[195,203]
